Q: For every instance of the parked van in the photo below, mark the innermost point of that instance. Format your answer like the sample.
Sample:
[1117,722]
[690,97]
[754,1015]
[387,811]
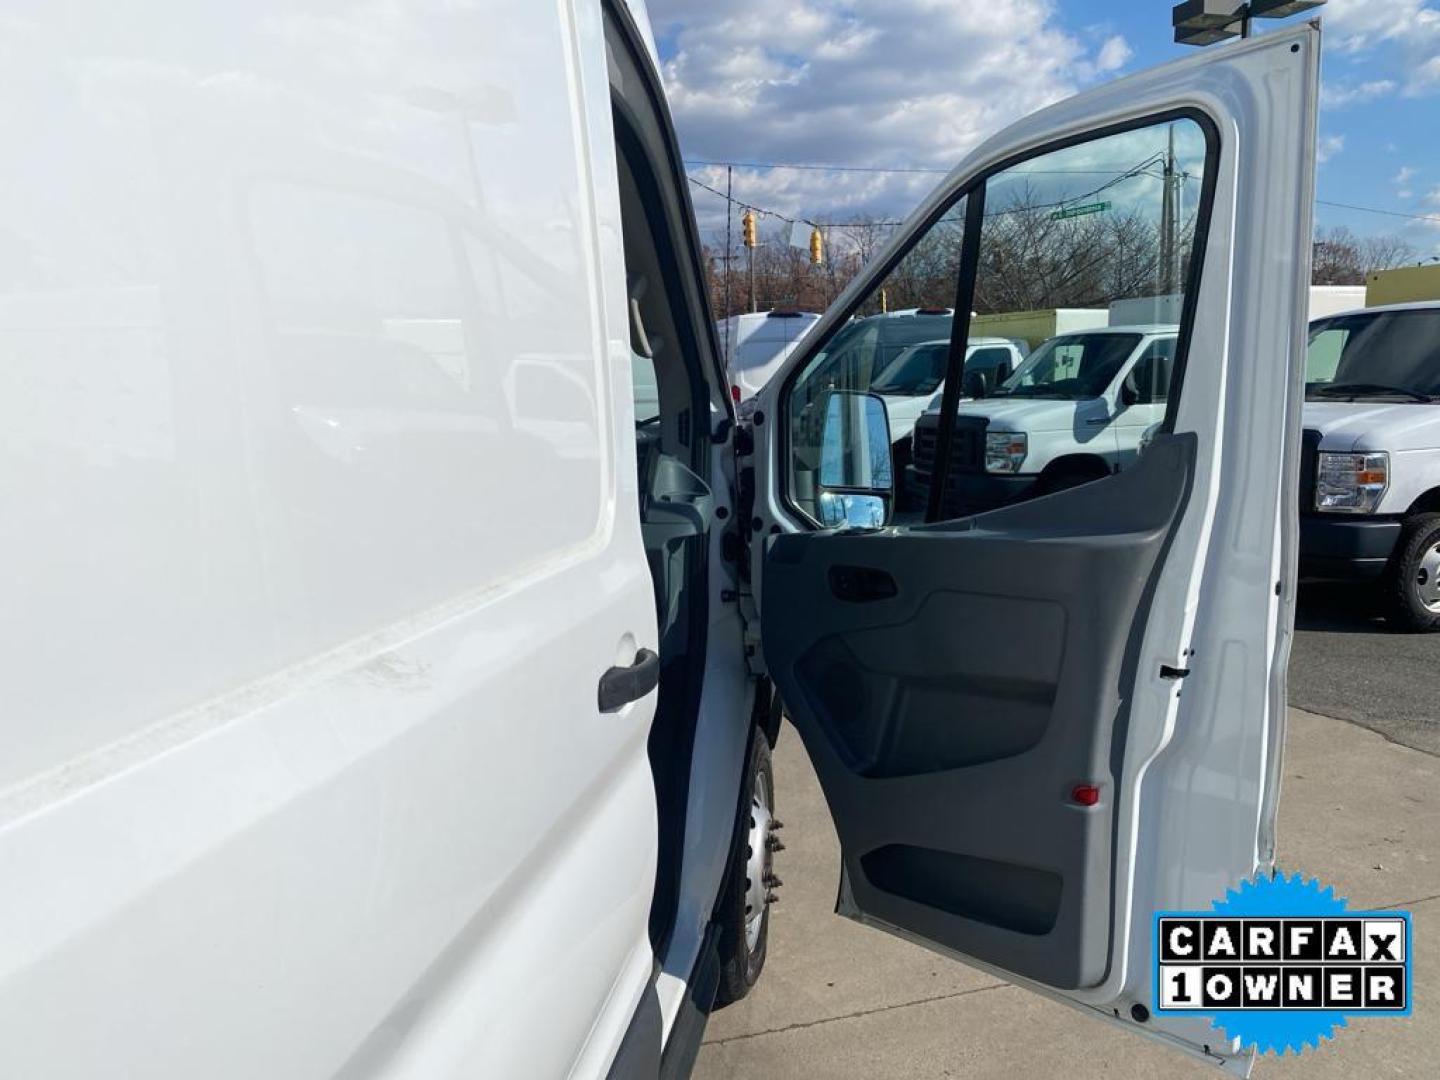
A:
[386,696]
[1073,412]
[912,379]
[756,344]
[1370,491]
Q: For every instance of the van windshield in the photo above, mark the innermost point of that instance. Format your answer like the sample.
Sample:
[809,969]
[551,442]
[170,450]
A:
[918,370]
[1383,355]
[1071,367]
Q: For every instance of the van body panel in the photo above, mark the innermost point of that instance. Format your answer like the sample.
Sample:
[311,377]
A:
[303,713]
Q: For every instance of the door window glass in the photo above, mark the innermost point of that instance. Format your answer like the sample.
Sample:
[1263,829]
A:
[1323,356]
[1083,253]
[1071,368]
[896,336]
[1149,381]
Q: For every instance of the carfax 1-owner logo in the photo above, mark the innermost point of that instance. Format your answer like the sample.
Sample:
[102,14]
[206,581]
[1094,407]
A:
[1279,963]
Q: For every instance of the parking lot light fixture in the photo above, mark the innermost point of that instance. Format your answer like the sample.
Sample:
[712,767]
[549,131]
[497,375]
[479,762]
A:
[1204,22]
[1281,9]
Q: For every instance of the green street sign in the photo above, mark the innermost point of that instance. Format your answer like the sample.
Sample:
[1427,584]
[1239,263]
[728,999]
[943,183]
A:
[1080,211]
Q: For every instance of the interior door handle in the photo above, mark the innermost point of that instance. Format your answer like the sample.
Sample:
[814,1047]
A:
[622,685]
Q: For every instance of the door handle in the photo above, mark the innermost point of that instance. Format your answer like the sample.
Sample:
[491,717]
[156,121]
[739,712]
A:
[1096,421]
[622,685]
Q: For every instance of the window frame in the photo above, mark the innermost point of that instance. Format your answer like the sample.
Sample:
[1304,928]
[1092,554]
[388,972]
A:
[972,192]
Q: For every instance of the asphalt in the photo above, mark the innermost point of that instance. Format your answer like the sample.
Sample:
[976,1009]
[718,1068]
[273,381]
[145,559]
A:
[1360,809]
[1347,663]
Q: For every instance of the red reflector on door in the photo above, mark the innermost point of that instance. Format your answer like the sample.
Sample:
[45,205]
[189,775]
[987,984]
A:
[735,393]
[1085,794]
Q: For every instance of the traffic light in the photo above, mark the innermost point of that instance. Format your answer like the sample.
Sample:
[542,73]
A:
[817,248]
[747,224]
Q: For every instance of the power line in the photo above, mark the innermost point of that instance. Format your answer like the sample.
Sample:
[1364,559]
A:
[898,170]
[1435,218]
[907,170]
[1116,177]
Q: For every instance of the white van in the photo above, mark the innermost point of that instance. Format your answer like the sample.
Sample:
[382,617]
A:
[384,697]
[910,382]
[756,344]
[1370,492]
[1075,411]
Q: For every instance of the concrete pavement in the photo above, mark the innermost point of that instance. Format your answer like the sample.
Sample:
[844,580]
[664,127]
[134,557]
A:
[839,1000]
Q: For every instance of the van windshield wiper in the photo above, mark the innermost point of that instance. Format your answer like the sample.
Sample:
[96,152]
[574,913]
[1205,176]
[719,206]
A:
[1368,390]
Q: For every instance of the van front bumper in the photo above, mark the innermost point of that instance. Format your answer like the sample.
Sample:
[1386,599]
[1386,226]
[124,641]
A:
[1334,547]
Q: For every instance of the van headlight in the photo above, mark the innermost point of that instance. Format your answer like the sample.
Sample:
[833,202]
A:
[1005,451]
[1351,483]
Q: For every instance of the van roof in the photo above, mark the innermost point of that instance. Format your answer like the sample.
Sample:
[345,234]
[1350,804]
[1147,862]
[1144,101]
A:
[1412,305]
[1158,329]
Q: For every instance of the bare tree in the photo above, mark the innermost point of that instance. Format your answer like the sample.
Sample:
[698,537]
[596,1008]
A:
[1342,258]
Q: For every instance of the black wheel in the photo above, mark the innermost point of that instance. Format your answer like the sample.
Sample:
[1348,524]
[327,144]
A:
[1066,477]
[1413,578]
[750,882]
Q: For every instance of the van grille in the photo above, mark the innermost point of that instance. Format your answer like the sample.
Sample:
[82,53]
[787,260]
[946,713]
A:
[967,450]
[1309,464]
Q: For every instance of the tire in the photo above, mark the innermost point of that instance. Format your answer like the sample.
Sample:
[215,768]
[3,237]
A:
[1412,581]
[744,911]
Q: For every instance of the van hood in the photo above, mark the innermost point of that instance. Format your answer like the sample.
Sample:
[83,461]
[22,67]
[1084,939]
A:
[1364,425]
[903,411]
[1025,414]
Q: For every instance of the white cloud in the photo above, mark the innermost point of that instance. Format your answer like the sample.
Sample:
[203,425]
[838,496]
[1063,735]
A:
[909,82]
[1339,94]
[1114,54]
[1402,180]
[1328,147]
[1410,27]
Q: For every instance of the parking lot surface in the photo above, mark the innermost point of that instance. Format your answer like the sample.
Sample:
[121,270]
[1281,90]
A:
[1349,664]
[839,1000]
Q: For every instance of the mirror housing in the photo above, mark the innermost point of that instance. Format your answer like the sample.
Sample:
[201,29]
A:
[856,475]
[975,385]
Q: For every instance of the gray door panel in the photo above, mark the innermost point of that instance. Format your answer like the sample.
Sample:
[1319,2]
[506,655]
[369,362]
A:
[953,683]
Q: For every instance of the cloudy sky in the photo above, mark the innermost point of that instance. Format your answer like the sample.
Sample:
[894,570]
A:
[915,83]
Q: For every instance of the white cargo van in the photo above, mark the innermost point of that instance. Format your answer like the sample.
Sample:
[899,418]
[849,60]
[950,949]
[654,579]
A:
[1074,411]
[1370,496]
[385,697]
[755,345]
[910,381]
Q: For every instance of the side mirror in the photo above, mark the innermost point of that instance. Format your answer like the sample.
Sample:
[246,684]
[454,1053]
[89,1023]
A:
[975,385]
[857,479]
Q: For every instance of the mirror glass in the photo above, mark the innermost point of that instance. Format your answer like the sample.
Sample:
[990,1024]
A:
[855,475]
[855,443]
[852,511]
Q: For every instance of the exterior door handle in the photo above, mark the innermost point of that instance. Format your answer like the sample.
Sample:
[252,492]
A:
[622,685]
[1096,421]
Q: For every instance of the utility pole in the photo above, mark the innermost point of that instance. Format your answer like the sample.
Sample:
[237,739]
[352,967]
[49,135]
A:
[754,302]
[729,250]
[750,234]
[1168,230]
